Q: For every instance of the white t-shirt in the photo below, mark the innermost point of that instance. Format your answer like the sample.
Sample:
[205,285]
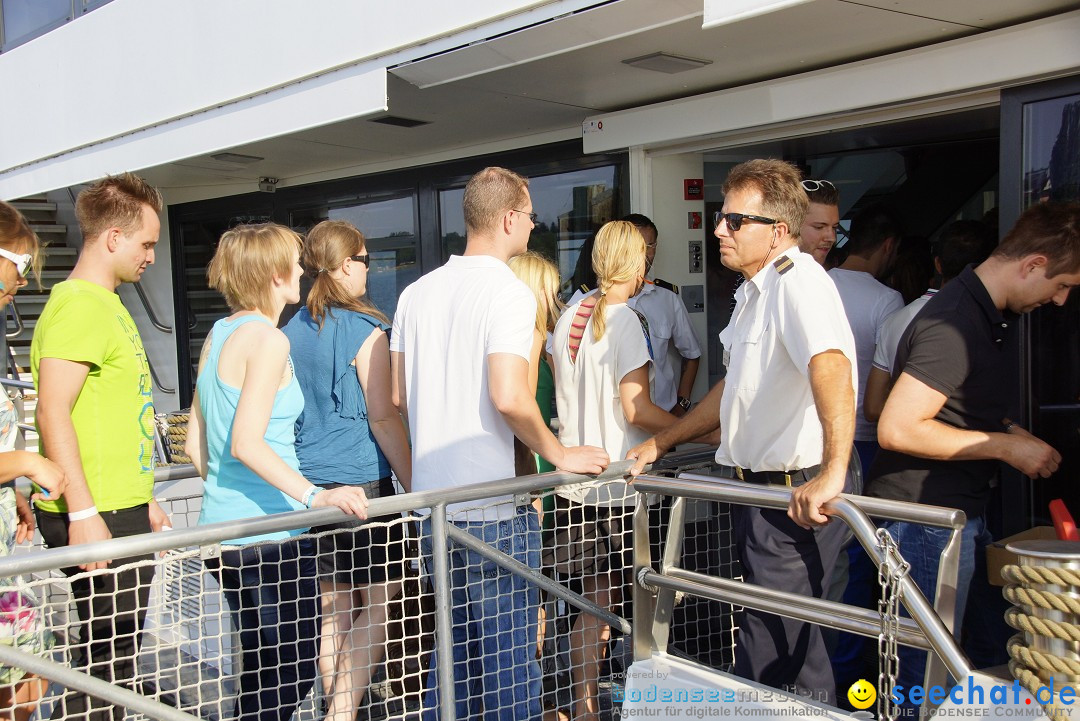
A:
[768,419]
[587,394]
[888,337]
[672,339]
[447,323]
[867,304]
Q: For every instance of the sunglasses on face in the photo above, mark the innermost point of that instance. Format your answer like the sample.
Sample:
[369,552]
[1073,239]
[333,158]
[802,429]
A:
[22,262]
[811,186]
[735,220]
[532,216]
[365,259]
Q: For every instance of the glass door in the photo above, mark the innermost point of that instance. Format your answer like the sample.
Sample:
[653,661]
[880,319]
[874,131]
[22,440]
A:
[1040,162]
[389,225]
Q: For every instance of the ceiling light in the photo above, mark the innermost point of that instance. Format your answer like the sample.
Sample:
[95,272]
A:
[399,122]
[666,63]
[237,158]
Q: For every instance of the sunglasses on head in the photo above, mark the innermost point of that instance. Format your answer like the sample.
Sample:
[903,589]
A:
[811,186]
[22,262]
[365,259]
[735,220]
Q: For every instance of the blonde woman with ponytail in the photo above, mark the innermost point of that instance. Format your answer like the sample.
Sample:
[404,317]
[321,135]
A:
[349,434]
[603,371]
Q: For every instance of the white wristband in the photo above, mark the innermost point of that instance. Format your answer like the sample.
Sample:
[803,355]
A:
[83,514]
[310,494]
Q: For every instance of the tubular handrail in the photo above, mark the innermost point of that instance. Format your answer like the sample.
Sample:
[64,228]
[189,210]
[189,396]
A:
[157,381]
[150,543]
[149,309]
[72,679]
[17,383]
[19,327]
[850,510]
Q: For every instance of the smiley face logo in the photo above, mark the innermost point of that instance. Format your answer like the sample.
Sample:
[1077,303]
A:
[862,694]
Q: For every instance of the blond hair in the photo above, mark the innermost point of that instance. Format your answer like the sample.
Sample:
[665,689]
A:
[328,245]
[542,276]
[115,201]
[618,256]
[247,260]
[489,194]
[16,234]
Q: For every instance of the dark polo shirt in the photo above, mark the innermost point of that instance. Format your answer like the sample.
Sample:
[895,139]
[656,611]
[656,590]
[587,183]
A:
[955,345]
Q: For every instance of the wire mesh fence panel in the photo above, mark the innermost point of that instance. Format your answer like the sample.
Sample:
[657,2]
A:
[341,621]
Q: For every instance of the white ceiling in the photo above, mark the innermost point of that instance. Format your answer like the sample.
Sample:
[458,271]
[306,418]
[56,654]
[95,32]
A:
[551,76]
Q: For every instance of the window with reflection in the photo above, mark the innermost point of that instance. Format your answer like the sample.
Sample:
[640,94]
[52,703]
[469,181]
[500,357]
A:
[25,18]
[389,228]
[570,208]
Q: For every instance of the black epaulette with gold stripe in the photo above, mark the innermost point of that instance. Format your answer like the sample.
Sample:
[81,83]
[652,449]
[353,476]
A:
[666,286]
[783,264]
[585,289]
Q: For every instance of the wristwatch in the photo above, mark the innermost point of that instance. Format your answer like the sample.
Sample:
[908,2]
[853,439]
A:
[683,403]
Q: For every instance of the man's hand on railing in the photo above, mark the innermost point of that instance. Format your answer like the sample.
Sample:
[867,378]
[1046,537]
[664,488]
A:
[643,454]
[89,530]
[350,500]
[588,460]
[808,500]
[159,519]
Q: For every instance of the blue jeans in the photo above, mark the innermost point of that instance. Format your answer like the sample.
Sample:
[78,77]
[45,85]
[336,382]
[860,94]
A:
[272,593]
[921,546]
[493,619]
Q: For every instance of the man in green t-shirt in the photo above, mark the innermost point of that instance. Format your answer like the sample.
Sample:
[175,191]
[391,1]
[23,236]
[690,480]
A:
[95,417]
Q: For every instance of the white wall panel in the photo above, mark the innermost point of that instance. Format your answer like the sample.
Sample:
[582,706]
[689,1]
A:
[133,64]
[1032,51]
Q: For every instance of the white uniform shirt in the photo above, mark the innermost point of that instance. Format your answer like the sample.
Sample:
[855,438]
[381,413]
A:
[672,339]
[447,323]
[587,394]
[868,303]
[767,415]
[888,337]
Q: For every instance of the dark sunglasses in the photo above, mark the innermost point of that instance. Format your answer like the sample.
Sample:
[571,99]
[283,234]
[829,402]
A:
[532,216]
[365,259]
[735,220]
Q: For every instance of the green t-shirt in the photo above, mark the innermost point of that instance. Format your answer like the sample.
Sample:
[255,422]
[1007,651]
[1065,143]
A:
[114,413]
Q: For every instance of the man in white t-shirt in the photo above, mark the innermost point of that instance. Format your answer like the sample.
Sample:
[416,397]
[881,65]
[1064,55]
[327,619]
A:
[675,347]
[460,349]
[875,238]
[963,243]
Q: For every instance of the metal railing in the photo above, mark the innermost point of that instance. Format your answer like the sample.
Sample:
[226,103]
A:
[150,314]
[653,611]
[926,628]
[207,542]
[19,326]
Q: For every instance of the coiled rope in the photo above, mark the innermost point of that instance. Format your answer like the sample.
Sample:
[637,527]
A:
[1026,663]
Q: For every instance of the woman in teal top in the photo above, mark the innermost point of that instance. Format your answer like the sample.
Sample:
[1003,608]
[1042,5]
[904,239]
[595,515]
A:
[240,438]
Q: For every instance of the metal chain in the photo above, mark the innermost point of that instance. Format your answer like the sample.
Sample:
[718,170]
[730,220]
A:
[891,572]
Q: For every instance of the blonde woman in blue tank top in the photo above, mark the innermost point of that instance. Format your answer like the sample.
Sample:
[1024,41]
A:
[241,440]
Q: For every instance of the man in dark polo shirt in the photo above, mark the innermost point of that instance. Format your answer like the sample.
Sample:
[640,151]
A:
[944,430]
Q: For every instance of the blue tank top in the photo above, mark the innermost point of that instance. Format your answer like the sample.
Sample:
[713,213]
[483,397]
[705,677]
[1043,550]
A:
[333,439]
[232,490]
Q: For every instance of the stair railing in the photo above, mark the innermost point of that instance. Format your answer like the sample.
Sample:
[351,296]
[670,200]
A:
[149,310]
[19,327]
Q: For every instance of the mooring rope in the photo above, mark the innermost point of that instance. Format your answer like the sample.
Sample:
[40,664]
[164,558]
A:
[1026,663]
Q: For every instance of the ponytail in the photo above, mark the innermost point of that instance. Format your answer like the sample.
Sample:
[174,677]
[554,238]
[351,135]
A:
[328,245]
[618,255]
